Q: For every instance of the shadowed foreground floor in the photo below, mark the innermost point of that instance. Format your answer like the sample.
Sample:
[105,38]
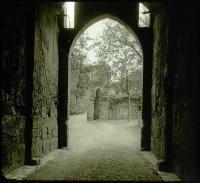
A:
[100,150]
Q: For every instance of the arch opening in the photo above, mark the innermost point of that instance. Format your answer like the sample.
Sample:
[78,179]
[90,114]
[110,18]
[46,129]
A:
[92,72]
[131,73]
[97,19]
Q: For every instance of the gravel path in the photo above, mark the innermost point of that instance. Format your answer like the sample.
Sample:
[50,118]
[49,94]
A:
[100,150]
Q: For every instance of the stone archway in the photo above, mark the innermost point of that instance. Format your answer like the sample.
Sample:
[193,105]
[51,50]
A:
[107,15]
[87,25]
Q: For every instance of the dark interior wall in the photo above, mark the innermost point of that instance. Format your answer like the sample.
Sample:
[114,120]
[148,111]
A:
[45,81]
[175,86]
[186,90]
[30,82]
[159,80]
[15,45]
[86,11]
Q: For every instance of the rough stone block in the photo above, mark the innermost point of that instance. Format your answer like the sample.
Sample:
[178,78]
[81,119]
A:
[35,150]
[53,112]
[14,156]
[44,113]
[48,136]
[21,153]
[22,122]
[36,123]
[13,166]
[40,144]
[44,133]
[51,144]
[6,153]
[42,122]
[55,131]
[44,147]
[21,137]
[55,142]
[49,131]
[48,145]
[36,135]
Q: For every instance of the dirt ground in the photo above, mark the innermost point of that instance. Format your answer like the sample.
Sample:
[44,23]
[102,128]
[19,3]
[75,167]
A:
[100,150]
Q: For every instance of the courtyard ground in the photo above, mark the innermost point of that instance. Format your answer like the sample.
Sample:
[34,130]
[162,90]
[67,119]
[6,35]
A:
[101,150]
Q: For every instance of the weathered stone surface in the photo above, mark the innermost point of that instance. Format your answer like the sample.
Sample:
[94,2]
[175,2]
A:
[13,144]
[159,75]
[104,106]
[45,80]
[175,87]
[55,131]
[120,110]
[44,133]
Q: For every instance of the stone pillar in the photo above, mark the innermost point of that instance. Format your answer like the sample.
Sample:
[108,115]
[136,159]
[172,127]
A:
[97,104]
[90,109]
[104,106]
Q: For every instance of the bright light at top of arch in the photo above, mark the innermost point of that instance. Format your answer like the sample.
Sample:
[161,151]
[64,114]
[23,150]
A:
[144,16]
[69,11]
[95,30]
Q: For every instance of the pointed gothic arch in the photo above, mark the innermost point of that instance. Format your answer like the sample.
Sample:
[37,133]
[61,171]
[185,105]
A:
[99,18]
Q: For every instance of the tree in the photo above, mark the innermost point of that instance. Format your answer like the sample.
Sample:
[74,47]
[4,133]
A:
[79,78]
[117,47]
[119,61]
[102,73]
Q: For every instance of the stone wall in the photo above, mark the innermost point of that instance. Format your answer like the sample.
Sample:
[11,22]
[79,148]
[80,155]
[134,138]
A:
[120,111]
[159,78]
[78,96]
[186,91]
[104,108]
[89,105]
[30,82]
[13,143]
[13,85]
[108,111]
[45,81]
[175,87]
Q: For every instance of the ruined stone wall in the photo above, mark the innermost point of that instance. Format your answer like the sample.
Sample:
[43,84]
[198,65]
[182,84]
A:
[45,81]
[104,106]
[78,96]
[89,101]
[90,109]
[120,111]
[186,91]
[13,86]
[159,77]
